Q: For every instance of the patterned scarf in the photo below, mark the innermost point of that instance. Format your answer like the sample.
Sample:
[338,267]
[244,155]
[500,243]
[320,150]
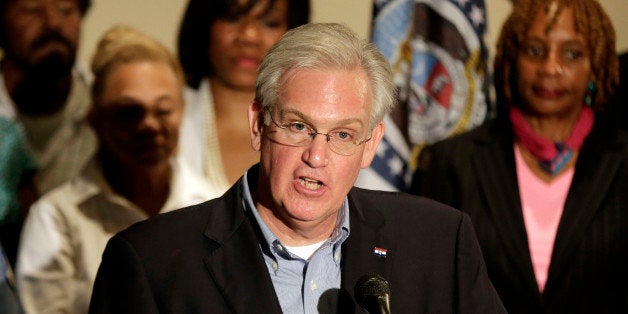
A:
[552,156]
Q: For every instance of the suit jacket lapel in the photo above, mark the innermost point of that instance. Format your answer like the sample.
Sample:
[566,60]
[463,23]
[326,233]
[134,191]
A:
[597,165]
[234,260]
[358,251]
[493,159]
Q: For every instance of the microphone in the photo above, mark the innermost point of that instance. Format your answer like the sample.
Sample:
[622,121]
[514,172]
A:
[372,292]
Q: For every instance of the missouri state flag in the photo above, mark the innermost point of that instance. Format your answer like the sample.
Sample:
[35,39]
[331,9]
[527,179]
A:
[437,52]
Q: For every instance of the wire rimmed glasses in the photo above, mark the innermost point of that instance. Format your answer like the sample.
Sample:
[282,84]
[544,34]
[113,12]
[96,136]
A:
[298,133]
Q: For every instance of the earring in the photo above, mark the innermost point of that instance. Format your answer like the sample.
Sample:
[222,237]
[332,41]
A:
[591,89]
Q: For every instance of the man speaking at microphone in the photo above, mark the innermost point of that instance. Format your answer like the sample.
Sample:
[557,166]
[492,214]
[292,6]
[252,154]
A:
[293,235]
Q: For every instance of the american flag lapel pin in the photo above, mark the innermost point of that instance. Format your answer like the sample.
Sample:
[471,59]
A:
[379,252]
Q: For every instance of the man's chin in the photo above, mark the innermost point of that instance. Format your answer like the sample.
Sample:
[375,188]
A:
[55,64]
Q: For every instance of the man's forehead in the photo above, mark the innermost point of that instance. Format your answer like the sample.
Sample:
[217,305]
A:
[315,116]
[351,82]
[327,92]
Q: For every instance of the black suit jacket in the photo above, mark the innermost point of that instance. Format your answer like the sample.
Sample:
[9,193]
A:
[476,173]
[207,259]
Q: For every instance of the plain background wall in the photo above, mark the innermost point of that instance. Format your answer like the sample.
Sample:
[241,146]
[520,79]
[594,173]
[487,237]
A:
[161,18]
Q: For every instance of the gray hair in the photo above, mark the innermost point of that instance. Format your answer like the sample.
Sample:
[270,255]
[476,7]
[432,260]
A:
[326,46]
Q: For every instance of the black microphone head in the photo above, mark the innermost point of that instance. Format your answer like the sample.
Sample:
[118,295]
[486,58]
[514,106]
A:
[369,289]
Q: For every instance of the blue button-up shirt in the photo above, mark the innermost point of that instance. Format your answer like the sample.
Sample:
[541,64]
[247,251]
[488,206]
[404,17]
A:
[303,286]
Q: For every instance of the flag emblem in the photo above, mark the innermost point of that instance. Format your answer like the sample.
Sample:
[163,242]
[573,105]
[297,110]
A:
[437,53]
[380,252]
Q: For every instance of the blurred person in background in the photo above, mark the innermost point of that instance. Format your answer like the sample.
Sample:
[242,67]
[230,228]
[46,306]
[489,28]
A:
[137,110]
[221,44]
[41,87]
[45,93]
[545,183]
[17,192]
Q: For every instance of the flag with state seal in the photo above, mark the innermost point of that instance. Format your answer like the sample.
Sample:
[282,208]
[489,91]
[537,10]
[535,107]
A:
[437,53]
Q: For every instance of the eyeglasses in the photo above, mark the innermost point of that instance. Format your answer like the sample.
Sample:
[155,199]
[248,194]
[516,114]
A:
[298,133]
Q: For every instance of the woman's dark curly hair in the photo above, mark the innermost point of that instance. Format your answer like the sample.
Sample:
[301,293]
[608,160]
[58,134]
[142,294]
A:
[193,45]
[591,21]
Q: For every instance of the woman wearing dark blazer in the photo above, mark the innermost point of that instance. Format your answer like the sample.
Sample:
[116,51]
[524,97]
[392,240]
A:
[545,183]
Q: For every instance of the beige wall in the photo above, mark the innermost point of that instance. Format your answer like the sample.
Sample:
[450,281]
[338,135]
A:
[160,18]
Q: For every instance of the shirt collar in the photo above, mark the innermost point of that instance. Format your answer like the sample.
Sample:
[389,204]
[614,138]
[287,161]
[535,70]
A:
[340,234]
[185,187]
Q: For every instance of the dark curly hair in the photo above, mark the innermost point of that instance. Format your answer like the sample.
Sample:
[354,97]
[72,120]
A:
[193,41]
[591,21]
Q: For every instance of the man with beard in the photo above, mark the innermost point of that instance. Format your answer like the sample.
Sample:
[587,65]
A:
[41,89]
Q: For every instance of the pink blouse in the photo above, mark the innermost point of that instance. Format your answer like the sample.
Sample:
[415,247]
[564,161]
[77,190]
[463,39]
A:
[542,205]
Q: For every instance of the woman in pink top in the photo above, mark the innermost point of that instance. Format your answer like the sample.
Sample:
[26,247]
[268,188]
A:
[545,183]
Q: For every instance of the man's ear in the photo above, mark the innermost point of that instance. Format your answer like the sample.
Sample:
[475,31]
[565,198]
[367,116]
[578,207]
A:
[256,124]
[370,147]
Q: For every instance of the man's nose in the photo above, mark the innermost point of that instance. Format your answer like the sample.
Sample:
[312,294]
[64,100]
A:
[317,153]
[53,17]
